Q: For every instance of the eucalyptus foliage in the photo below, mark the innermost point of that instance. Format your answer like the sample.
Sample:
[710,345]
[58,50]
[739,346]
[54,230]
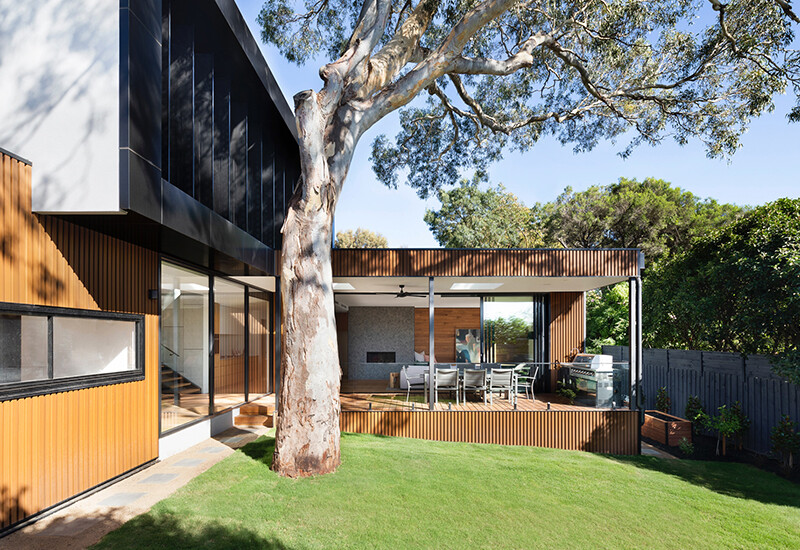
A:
[581,70]
[360,238]
[473,218]
[651,215]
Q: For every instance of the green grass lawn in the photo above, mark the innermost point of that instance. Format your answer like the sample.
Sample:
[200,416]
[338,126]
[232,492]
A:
[406,493]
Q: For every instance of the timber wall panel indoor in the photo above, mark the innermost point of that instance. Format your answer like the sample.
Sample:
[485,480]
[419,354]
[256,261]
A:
[484,263]
[614,432]
[445,323]
[55,446]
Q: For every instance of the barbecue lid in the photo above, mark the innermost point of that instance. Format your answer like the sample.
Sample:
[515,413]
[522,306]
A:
[595,362]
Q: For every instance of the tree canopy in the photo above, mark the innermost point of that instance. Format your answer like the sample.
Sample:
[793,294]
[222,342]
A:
[360,238]
[737,290]
[502,74]
[651,215]
[472,218]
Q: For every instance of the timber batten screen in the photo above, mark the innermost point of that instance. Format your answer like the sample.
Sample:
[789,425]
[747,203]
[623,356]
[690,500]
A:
[484,263]
[55,446]
[613,432]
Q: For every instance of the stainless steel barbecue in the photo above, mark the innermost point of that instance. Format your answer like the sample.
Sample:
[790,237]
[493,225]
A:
[593,377]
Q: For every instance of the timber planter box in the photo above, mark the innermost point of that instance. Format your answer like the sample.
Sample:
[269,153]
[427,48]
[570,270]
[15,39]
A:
[665,428]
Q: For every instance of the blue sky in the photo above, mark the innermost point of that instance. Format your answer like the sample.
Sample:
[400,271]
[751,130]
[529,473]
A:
[764,169]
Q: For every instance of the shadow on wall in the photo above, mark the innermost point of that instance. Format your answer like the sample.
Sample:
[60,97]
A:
[51,100]
[11,510]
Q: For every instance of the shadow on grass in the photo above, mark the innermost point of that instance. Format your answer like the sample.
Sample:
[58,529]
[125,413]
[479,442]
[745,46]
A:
[261,450]
[165,531]
[726,478]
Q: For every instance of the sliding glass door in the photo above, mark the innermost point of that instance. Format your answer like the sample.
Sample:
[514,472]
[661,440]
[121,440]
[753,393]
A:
[229,344]
[259,351]
[216,347]
[184,346]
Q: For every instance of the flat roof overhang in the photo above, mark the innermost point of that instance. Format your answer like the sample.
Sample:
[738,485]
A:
[382,291]
[445,262]
[372,277]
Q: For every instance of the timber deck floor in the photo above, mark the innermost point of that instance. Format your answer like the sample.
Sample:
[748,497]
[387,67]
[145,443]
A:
[396,401]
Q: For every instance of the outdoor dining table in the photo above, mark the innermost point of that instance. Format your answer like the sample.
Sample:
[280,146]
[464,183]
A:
[461,370]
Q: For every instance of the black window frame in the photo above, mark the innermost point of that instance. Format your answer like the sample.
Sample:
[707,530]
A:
[19,390]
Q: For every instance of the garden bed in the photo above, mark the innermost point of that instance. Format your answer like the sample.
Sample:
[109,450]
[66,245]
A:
[665,428]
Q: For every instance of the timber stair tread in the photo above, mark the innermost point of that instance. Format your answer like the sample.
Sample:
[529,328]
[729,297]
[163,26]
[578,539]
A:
[252,420]
[250,409]
[174,382]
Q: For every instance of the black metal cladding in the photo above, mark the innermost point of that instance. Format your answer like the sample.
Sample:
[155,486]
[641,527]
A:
[224,142]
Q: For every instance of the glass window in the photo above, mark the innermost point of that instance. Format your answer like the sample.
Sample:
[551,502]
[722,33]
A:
[184,346]
[40,345]
[92,346]
[229,344]
[23,348]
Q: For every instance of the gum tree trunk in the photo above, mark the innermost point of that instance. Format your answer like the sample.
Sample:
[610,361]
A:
[307,436]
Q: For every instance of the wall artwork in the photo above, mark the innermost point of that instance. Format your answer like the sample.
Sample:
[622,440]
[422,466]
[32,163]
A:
[468,345]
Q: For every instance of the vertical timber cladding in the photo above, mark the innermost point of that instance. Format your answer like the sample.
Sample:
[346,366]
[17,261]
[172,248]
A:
[55,446]
[445,323]
[598,431]
[484,263]
[566,328]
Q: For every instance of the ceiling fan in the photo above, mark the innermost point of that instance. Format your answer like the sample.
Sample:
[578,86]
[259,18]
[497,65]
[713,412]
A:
[403,293]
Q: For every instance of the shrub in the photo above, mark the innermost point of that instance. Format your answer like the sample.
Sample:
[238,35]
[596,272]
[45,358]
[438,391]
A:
[686,447]
[565,391]
[663,402]
[695,413]
[744,422]
[727,423]
[785,440]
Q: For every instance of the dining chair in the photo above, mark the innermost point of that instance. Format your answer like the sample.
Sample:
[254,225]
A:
[474,380]
[501,380]
[415,382]
[445,380]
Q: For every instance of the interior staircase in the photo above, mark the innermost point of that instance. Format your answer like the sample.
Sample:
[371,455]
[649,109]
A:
[173,382]
[255,415]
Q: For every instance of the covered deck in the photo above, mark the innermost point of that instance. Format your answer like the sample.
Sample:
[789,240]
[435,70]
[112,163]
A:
[479,309]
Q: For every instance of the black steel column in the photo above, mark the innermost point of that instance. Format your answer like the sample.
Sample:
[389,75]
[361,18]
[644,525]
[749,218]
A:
[639,358]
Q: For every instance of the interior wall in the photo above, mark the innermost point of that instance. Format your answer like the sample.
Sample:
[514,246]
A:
[445,323]
[59,80]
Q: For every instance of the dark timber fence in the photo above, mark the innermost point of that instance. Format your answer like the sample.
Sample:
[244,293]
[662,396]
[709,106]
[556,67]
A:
[719,379]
